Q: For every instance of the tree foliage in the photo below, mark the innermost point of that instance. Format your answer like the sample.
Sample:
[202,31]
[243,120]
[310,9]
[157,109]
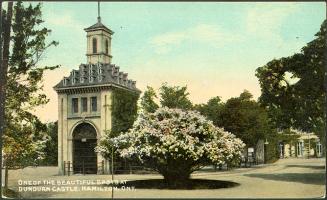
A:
[212,110]
[169,96]
[245,118]
[174,97]
[124,110]
[148,103]
[24,134]
[51,146]
[241,116]
[293,87]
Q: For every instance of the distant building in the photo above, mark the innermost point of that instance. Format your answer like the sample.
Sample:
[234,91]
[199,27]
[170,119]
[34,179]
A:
[84,100]
[307,145]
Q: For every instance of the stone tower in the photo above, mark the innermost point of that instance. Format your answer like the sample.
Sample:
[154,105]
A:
[84,105]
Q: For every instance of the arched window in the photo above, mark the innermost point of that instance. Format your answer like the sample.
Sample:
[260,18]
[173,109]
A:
[94,44]
[107,46]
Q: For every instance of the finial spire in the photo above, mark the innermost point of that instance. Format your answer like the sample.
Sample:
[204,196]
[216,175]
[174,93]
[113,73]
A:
[99,18]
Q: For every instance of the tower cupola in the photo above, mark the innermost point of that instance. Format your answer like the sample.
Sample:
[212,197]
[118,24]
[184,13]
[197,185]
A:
[98,43]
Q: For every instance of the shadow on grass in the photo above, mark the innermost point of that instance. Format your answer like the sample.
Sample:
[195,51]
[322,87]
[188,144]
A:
[191,184]
[307,166]
[306,178]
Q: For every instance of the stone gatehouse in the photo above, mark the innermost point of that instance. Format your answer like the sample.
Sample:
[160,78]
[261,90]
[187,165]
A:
[84,104]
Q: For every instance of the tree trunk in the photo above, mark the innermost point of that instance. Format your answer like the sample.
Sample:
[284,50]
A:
[176,180]
[6,177]
[4,66]
[3,74]
[176,175]
[1,97]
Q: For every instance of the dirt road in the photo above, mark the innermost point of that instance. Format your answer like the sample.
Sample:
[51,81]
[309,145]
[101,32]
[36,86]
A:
[287,178]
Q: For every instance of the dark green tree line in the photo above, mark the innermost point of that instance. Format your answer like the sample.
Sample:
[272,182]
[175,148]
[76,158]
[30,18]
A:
[169,96]
[292,88]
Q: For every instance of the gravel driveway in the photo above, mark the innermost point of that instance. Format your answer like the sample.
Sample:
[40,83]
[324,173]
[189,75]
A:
[287,178]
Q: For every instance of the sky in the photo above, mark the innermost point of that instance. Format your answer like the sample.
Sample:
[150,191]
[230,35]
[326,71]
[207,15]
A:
[213,48]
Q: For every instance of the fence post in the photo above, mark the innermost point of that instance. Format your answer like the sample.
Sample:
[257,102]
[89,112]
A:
[68,168]
[102,166]
[83,168]
[64,168]
[130,168]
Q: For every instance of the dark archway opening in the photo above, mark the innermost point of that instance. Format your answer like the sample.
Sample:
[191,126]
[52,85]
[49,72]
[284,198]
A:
[84,155]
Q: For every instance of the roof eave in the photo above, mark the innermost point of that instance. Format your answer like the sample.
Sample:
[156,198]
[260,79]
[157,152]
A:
[56,88]
[99,28]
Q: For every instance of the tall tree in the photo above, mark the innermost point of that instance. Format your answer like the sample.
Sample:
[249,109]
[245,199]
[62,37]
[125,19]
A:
[174,97]
[5,40]
[169,96]
[25,135]
[212,110]
[245,118]
[292,88]
[148,100]
[4,45]
[51,146]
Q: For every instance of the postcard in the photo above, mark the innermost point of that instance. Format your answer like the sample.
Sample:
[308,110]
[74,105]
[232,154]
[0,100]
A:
[198,100]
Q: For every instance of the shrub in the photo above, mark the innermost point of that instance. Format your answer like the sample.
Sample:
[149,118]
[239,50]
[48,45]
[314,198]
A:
[175,143]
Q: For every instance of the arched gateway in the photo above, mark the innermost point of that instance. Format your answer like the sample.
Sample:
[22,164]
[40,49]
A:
[84,143]
[85,100]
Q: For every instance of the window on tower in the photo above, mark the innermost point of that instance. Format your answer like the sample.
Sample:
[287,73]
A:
[93,104]
[107,46]
[94,44]
[75,105]
[84,104]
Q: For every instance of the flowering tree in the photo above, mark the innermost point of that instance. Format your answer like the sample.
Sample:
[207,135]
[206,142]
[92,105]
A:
[175,143]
